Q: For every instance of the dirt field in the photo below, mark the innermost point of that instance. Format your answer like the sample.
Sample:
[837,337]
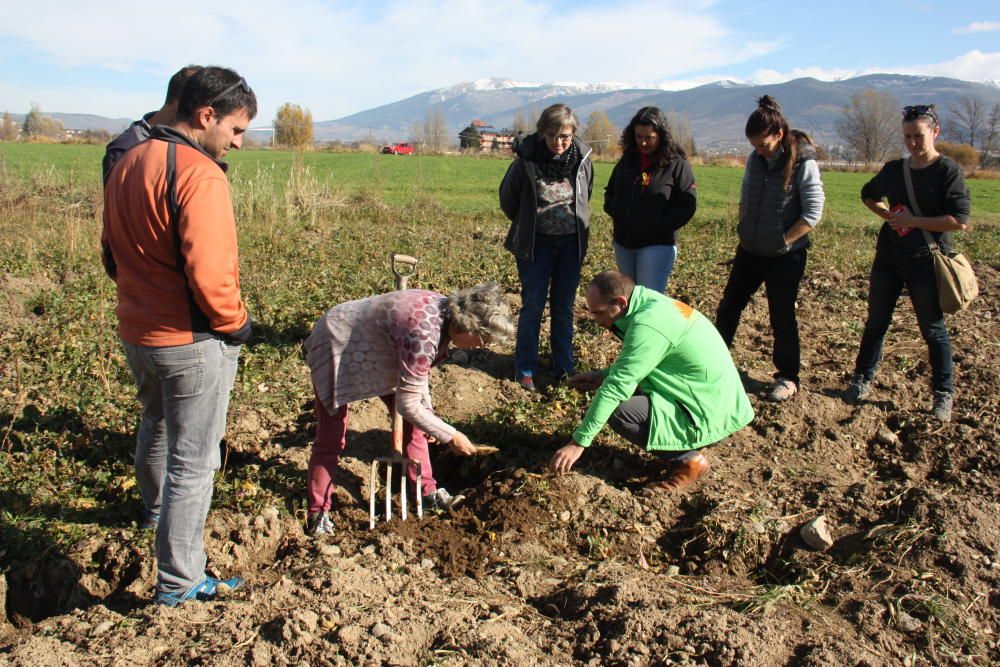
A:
[585,569]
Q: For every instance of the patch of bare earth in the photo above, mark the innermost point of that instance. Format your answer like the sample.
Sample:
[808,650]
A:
[584,569]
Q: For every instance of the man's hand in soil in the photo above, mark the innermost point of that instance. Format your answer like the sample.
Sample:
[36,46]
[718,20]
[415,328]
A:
[588,381]
[565,457]
[461,445]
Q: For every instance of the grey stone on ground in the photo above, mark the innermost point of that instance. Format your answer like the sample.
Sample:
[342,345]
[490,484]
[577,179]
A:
[816,534]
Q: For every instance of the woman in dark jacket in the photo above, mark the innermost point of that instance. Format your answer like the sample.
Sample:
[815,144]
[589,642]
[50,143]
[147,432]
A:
[650,195]
[546,195]
[903,255]
[781,200]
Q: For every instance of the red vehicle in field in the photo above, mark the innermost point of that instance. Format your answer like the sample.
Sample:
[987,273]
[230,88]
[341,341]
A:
[398,149]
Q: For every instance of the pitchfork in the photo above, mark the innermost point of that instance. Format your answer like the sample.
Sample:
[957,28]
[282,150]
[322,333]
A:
[403,267]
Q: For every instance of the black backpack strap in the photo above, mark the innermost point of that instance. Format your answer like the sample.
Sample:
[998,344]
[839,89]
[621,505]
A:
[172,201]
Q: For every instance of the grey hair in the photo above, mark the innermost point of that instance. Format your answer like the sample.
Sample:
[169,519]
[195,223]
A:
[481,310]
[555,117]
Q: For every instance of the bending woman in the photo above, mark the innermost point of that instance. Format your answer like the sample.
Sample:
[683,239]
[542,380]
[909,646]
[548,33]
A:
[546,196]
[781,200]
[650,195]
[385,346]
[903,256]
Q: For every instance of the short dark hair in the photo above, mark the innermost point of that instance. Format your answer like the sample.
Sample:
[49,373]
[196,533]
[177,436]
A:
[177,82]
[221,88]
[613,284]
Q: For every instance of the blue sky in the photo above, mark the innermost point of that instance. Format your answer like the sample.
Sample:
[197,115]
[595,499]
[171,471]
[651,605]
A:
[336,58]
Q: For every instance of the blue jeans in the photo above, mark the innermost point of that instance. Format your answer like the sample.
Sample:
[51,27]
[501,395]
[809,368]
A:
[184,392]
[557,263]
[888,277]
[649,266]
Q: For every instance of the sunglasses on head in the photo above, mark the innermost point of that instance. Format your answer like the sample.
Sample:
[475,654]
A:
[241,83]
[918,110]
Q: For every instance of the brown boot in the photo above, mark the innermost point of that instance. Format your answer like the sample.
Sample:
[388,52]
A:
[682,475]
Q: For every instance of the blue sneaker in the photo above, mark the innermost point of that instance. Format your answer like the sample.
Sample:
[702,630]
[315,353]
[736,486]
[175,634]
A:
[207,590]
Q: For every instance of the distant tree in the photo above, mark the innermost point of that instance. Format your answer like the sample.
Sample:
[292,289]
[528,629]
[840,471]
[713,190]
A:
[966,122]
[871,126]
[680,128]
[8,129]
[416,135]
[470,138]
[435,131]
[521,124]
[964,154]
[991,137]
[38,126]
[293,127]
[601,134]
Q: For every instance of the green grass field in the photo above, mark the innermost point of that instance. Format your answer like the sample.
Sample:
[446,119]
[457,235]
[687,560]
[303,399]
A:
[458,184]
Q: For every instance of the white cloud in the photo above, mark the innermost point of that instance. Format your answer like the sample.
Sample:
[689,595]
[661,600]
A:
[337,57]
[978,26]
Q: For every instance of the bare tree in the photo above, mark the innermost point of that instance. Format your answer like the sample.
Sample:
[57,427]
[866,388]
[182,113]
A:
[871,126]
[990,137]
[601,134]
[8,130]
[966,122]
[436,137]
[521,125]
[680,129]
[36,125]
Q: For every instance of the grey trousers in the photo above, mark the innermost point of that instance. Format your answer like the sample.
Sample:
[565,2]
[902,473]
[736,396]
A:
[184,392]
[631,421]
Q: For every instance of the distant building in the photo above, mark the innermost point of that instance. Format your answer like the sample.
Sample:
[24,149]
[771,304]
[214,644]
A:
[486,138]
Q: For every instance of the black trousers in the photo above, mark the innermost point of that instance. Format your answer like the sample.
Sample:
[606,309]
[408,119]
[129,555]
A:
[781,277]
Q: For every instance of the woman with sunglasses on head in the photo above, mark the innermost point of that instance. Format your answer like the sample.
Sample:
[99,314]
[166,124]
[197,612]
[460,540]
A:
[781,200]
[650,195]
[546,196]
[903,257]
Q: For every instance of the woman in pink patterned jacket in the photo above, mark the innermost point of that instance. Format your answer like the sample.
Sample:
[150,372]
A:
[385,346]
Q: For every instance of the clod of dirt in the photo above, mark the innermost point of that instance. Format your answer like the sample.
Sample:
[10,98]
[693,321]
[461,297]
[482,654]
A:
[380,630]
[909,624]
[887,437]
[816,534]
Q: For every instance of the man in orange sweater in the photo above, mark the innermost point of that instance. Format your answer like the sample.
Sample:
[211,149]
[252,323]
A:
[169,242]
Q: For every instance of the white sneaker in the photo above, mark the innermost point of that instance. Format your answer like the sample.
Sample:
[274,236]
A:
[782,390]
[319,524]
[440,499]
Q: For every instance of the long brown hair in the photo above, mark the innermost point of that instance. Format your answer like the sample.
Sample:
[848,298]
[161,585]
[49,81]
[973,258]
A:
[768,120]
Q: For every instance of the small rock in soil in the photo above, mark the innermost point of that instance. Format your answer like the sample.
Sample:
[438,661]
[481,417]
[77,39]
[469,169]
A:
[102,628]
[427,563]
[909,624]
[816,534]
[673,571]
[887,437]
[380,630]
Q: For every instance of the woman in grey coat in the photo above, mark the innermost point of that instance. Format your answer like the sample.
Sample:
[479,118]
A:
[546,196]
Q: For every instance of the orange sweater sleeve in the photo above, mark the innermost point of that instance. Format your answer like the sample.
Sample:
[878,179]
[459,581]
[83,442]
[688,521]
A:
[207,231]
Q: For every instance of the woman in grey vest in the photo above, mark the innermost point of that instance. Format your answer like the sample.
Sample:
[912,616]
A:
[781,200]
[903,255]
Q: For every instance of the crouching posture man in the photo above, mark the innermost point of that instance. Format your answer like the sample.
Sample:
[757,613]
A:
[169,242]
[689,392]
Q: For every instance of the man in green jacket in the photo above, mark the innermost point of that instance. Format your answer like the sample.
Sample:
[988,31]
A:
[689,392]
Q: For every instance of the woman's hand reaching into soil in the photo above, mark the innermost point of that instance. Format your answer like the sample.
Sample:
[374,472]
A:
[462,445]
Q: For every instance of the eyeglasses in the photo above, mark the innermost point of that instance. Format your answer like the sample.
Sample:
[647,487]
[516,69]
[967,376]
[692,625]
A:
[563,138]
[241,83]
[918,110]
